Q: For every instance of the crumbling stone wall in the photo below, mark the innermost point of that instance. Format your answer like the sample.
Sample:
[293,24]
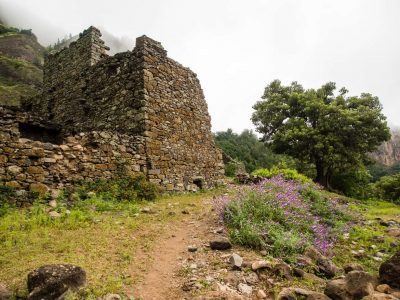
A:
[42,166]
[180,145]
[84,89]
[141,96]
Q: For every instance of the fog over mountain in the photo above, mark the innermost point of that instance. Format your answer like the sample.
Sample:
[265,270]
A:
[238,47]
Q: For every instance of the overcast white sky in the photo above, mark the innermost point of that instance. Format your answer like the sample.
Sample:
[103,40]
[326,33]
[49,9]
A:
[237,47]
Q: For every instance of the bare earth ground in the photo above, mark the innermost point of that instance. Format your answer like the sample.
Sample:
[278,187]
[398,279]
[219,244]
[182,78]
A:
[163,276]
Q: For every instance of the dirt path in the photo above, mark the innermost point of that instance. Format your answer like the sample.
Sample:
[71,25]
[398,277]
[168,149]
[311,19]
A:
[164,263]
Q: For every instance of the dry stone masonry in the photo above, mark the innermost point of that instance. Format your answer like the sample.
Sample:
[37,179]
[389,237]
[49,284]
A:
[138,109]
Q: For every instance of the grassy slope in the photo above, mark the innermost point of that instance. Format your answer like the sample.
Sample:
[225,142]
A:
[21,59]
[100,237]
[103,238]
[364,236]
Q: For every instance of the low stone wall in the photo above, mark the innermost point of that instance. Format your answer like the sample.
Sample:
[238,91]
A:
[40,166]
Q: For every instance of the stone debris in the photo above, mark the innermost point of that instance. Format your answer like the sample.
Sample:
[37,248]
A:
[235,261]
[245,289]
[192,248]
[112,297]
[220,244]
[260,264]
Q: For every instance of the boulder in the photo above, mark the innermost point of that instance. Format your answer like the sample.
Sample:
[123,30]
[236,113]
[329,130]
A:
[52,281]
[220,244]
[356,285]
[360,284]
[389,271]
[337,290]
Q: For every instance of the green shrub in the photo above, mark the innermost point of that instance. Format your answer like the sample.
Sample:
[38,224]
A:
[388,188]
[126,188]
[353,183]
[289,174]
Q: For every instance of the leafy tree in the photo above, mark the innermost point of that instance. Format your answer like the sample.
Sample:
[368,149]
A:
[247,148]
[333,132]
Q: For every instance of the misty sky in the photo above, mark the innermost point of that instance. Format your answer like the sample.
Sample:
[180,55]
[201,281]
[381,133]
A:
[237,47]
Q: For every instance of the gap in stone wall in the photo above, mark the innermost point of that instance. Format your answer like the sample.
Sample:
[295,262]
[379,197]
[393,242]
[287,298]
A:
[39,133]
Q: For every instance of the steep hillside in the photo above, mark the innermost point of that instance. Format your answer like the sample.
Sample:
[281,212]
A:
[388,153]
[21,60]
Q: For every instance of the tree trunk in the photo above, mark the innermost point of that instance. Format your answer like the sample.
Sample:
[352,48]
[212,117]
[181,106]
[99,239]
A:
[322,174]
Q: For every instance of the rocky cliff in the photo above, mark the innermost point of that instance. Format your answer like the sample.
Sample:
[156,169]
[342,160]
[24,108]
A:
[389,152]
[21,60]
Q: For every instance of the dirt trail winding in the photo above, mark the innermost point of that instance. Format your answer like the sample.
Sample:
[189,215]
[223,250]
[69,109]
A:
[160,277]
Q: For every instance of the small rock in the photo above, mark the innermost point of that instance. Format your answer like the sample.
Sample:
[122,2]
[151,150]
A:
[383,288]
[393,232]
[220,244]
[261,294]
[185,212]
[192,248]
[260,264]
[112,297]
[54,214]
[352,267]
[53,203]
[245,289]
[287,294]
[317,296]
[263,253]
[283,270]
[251,278]
[147,210]
[5,294]
[235,261]
[219,230]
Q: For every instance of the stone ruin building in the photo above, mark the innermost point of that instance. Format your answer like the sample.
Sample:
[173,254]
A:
[138,109]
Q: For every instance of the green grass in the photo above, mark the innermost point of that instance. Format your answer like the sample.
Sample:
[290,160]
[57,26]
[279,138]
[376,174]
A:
[364,236]
[98,234]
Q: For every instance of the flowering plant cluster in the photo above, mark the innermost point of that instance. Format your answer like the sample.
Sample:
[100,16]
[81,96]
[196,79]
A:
[283,216]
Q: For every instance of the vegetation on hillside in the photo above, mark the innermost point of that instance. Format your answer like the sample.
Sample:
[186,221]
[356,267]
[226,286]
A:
[21,59]
[333,132]
[248,149]
[284,216]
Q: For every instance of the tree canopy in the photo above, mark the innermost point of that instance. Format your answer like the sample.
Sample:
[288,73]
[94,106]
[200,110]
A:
[332,131]
[247,148]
